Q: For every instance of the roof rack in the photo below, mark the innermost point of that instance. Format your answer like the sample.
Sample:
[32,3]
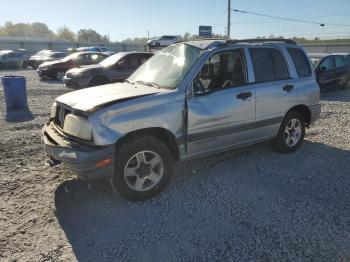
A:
[260,40]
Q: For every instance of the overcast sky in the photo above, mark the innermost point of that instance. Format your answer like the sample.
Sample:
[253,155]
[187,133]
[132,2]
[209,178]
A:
[131,18]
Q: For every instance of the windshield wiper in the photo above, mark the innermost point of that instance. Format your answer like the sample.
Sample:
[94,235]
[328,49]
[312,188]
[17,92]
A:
[148,83]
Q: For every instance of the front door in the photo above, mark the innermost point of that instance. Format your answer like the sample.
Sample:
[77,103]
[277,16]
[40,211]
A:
[325,71]
[221,112]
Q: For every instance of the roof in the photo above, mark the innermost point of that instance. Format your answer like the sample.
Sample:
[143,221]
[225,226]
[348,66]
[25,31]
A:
[212,43]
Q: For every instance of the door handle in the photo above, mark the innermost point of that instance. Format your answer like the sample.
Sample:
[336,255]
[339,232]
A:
[244,95]
[287,88]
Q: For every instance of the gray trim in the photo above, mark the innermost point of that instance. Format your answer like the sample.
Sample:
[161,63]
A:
[233,129]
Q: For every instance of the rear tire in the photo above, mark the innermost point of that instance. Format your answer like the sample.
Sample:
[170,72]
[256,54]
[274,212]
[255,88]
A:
[98,81]
[291,133]
[143,168]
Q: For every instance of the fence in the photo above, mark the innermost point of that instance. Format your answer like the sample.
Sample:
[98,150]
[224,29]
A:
[35,46]
[329,48]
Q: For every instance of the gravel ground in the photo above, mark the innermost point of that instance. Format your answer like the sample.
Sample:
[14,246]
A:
[246,205]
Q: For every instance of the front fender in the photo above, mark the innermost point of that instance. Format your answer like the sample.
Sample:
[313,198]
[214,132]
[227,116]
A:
[156,111]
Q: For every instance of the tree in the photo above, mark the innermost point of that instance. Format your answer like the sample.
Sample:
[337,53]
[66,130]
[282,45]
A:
[65,33]
[88,36]
[186,36]
[22,29]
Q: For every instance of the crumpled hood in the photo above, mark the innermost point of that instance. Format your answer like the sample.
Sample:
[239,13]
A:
[89,98]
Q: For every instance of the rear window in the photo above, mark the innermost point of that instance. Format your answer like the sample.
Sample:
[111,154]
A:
[300,61]
[269,64]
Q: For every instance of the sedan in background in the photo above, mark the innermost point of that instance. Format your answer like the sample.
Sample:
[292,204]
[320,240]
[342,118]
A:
[57,68]
[163,41]
[115,68]
[44,56]
[331,70]
[12,59]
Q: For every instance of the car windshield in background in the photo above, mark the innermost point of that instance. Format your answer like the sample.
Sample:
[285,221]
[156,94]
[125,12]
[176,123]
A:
[69,57]
[168,67]
[109,61]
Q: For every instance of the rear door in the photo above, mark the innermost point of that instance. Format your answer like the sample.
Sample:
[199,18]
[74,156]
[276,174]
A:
[325,73]
[273,86]
[221,112]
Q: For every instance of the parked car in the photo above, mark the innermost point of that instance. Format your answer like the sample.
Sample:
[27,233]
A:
[99,49]
[190,100]
[57,68]
[44,56]
[332,71]
[162,41]
[115,68]
[11,59]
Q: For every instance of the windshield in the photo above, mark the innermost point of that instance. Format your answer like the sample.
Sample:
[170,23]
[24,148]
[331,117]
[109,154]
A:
[111,60]
[168,67]
[69,57]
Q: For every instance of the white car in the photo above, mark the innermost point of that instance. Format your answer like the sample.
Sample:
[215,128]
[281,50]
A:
[163,41]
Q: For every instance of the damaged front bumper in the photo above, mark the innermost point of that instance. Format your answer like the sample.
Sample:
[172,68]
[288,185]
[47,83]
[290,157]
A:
[86,161]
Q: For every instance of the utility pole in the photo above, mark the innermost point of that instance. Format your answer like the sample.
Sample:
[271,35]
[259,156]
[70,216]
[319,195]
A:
[228,18]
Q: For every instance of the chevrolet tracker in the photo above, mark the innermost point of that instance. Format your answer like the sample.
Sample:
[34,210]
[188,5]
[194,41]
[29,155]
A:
[189,100]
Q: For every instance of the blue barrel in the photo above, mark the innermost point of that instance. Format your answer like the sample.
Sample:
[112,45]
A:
[15,91]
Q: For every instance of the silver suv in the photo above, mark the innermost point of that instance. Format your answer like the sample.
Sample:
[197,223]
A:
[189,100]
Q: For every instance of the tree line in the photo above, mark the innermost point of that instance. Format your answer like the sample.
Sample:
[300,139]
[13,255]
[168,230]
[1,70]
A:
[38,29]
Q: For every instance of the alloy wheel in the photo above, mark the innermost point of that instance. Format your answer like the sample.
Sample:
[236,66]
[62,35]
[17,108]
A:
[143,170]
[292,132]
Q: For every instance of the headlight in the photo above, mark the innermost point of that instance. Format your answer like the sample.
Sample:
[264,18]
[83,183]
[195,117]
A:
[44,68]
[77,126]
[53,110]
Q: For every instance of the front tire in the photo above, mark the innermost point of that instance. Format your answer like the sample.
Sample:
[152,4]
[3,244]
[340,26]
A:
[60,75]
[143,168]
[291,133]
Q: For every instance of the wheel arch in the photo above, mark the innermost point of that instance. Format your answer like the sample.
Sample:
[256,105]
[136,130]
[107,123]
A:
[304,110]
[94,77]
[157,132]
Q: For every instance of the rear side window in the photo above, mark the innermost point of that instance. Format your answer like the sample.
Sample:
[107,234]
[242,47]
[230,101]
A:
[300,61]
[263,65]
[280,66]
[269,64]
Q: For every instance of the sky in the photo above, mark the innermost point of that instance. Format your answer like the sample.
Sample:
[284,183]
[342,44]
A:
[133,18]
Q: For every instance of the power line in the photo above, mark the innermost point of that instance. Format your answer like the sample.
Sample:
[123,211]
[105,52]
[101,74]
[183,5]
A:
[285,18]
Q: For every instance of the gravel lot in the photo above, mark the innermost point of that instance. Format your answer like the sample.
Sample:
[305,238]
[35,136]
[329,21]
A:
[246,205]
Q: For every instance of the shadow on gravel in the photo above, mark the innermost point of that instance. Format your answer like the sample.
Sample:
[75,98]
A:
[252,197]
[50,81]
[19,115]
[342,95]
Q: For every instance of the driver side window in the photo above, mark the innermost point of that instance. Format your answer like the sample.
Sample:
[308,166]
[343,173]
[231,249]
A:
[223,70]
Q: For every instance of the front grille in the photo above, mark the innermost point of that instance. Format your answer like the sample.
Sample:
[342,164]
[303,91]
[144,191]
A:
[61,113]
